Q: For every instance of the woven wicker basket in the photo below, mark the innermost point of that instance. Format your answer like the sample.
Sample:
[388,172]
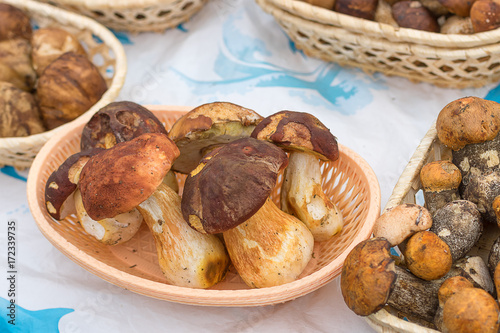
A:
[453,61]
[107,54]
[134,266]
[409,190]
[135,15]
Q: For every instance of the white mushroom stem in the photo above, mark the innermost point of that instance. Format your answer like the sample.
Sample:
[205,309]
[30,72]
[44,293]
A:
[110,231]
[302,196]
[187,257]
[270,248]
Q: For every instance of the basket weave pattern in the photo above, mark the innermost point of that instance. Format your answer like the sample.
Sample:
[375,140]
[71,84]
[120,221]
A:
[133,265]
[135,16]
[106,53]
[454,61]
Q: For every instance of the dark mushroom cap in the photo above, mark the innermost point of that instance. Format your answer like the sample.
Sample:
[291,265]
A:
[230,184]
[14,23]
[207,126]
[468,120]
[368,276]
[120,178]
[299,131]
[63,181]
[119,122]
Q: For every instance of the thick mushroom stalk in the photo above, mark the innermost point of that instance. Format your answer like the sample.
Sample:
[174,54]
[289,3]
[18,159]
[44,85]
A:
[130,175]
[307,140]
[302,196]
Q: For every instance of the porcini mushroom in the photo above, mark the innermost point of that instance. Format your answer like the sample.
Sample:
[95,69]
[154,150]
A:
[412,14]
[440,181]
[485,15]
[15,55]
[229,193]
[307,140]
[14,23]
[449,288]
[358,8]
[208,126]
[130,175]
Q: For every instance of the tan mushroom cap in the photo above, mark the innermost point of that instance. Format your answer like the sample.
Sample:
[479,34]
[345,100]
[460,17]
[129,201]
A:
[471,310]
[207,126]
[368,276]
[231,184]
[63,181]
[468,120]
[427,256]
[120,178]
[440,176]
[451,286]
[299,131]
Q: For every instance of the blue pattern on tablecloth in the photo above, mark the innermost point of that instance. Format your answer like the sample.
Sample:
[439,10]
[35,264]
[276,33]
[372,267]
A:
[10,171]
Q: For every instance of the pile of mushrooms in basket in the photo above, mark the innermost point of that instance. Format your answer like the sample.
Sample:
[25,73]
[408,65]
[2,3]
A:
[448,275]
[126,174]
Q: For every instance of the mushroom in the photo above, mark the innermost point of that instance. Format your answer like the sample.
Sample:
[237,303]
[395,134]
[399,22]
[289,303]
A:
[469,127]
[328,4]
[458,7]
[440,181]
[48,44]
[496,279]
[208,126]
[436,8]
[14,23]
[68,87]
[413,15]
[307,141]
[494,256]
[427,256]
[482,190]
[400,222]
[457,25]
[358,8]
[229,193]
[485,15]
[20,116]
[460,225]
[383,14]
[129,175]
[15,54]
[449,288]
[471,310]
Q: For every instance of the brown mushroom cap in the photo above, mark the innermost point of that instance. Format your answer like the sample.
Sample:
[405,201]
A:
[63,182]
[471,310]
[119,122]
[413,15]
[485,15]
[427,256]
[358,8]
[14,23]
[458,7]
[468,120]
[230,184]
[368,276]
[119,178]
[299,131]
[450,287]
[439,176]
[206,126]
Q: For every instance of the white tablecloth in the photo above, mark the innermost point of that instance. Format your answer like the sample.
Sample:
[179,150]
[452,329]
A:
[230,51]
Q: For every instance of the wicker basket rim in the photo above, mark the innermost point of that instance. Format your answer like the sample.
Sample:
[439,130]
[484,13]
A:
[250,297]
[81,22]
[113,5]
[330,17]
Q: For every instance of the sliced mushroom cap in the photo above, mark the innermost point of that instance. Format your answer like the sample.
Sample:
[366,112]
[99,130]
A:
[231,184]
[207,126]
[14,23]
[119,122]
[121,177]
[63,182]
[368,276]
[298,131]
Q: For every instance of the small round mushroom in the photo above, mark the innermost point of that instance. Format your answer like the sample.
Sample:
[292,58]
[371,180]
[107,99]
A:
[398,223]
[413,15]
[208,126]
[229,192]
[460,225]
[68,87]
[15,54]
[20,115]
[440,181]
[307,141]
[130,175]
[471,310]
[14,23]
[427,256]
[457,25]
[358,8]
[485,15]
[48,44]
[449,288]
[482,189]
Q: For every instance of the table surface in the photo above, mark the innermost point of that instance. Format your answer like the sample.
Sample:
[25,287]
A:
[230,51]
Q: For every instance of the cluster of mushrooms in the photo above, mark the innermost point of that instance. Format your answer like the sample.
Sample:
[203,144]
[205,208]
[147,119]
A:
[448,274]
[442,16]
[128,171]
[46,78]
